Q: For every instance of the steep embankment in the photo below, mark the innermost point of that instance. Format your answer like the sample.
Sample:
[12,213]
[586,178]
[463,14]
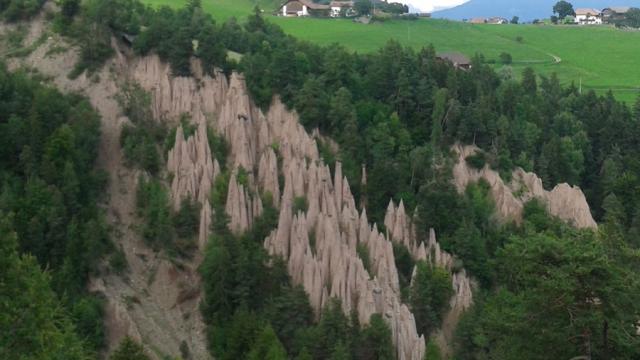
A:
[564,201]
[157,300]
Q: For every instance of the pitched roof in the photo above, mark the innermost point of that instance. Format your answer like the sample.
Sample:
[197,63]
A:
[587,11]
[619,9]
[308,3]
[455,57]
[496,20]
[478,20]
[341,4]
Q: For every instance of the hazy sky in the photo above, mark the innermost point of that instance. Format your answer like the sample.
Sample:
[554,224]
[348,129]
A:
[430,5]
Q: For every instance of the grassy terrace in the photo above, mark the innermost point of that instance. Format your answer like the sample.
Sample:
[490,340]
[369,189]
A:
[601,57]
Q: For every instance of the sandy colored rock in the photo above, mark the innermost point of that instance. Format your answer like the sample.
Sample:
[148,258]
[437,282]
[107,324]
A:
[194,171]
[331,266]
[566,202]
[164,310]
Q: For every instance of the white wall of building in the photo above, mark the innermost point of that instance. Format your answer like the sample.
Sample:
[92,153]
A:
[588,19]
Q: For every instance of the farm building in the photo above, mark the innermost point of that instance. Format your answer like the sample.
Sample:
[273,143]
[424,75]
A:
[342,8]
[478,20]
[497,21]
[303,8]
[458,60]
[615,13]
[587,16]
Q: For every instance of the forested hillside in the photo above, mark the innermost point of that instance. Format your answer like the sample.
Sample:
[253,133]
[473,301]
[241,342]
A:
[544,288]
[48,204]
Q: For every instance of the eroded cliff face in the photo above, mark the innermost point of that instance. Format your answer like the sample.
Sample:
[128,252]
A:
[319,244]
[401,228]
[157,300]
[564,201]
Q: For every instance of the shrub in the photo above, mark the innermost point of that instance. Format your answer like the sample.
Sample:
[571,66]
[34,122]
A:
[139,148]
[477,160]
[505,58]
[129,349]
[300,204]
[430,294]
[15,10]
[363,254]
[218,146]
[242,177]
[118,261]
[186,221]
[152,202]
[404,264]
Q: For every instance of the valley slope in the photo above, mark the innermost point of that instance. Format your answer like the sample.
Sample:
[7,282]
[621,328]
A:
[585,52]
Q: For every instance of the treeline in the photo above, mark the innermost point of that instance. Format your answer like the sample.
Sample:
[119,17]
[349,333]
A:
[49,190]
[563,294]
[630,19]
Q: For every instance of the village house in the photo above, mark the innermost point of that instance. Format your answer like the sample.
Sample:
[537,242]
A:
[587,16]
[497,21]
[478,20]
[615,13]
[458,60]
[303,8]
[342,8]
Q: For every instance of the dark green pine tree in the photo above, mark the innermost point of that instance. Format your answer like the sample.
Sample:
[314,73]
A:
[33,324]
[129,349]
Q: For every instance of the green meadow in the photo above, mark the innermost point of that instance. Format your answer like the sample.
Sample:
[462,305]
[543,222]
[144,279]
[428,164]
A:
[597,57]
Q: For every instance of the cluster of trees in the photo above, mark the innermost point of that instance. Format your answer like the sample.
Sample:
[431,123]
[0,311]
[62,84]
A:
[14,10]
[175,35]
[630,19]
[395,8]
[564,11]
[49,192]
[393,109]
[139,139]
[564,294]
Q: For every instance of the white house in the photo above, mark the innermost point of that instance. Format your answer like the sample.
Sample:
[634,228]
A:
[341,7]
[587,16]
[497,21]
[302,8]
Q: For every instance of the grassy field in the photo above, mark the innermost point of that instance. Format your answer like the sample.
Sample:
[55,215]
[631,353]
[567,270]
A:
[600,58]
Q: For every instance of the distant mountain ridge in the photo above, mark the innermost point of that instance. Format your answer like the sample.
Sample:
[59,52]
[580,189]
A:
[526,10]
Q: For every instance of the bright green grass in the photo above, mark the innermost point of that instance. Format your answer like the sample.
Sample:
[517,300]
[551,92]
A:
[222,9]
[600,58]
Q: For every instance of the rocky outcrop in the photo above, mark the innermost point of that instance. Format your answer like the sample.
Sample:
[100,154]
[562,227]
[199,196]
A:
[564,201]
[319,244]
[268,172]
[241,206]
[250,132]
[173,96]
[157,301]
[193,169]
[401,228]
[329,266]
